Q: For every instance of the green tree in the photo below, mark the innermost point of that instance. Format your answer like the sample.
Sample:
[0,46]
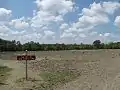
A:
[97,44]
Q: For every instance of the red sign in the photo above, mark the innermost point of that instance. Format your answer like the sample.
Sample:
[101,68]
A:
[26,57]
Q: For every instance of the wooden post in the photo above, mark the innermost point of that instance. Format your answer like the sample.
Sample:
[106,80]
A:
[26,57]
[26,67]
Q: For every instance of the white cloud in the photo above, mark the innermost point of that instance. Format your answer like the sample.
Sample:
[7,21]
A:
[44,18]
[110,7]
[96,14]
[93,33]
[17,33]
[107,34]
[5,14]
[19,23]
[49,16]
[100,35]
[64,26]
[49,35]
[117,21]
[82,35]
[50,11]
[4,29]
[55,6]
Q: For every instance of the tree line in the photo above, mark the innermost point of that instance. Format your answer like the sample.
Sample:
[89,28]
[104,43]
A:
[6,45]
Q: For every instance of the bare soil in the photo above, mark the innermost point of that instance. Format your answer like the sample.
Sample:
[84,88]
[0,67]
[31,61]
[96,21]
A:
[94,69]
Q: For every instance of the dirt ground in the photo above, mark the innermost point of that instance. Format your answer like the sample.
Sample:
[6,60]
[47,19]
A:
[99,69]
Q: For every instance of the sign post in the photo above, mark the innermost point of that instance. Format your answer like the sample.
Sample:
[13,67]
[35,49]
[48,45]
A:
[26,66]
[26,57]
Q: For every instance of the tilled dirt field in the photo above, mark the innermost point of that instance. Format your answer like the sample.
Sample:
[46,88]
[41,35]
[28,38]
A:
[94,69]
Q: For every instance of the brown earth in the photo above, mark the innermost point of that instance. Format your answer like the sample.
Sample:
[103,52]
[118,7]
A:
[99,69]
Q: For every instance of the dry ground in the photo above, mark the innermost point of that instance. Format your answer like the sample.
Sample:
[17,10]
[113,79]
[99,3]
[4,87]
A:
[89,70]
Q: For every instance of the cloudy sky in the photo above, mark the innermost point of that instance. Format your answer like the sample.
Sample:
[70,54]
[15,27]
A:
[60,21]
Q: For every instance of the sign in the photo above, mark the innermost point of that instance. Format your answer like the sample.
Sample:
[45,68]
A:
[26,57]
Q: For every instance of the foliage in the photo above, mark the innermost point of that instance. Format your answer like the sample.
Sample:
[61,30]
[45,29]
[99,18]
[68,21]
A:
[97,44]
[13,45]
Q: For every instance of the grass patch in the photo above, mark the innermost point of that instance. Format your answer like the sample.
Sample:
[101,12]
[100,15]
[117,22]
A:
[4,74]
[55,73]
[53,79]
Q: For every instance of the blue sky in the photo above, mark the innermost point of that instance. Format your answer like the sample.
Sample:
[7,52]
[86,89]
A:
[19,7]
[61,21]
